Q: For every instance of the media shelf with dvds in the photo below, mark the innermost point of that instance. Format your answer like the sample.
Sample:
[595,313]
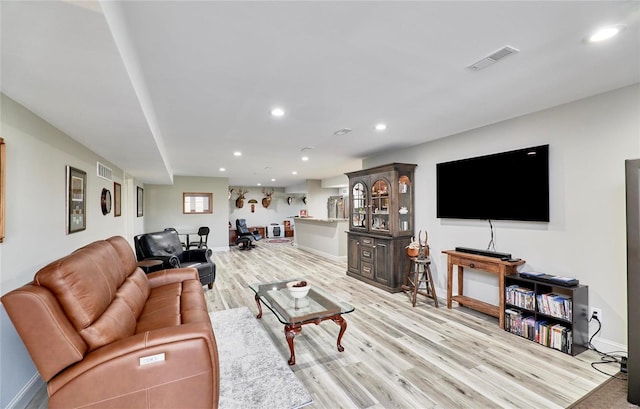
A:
[552,315]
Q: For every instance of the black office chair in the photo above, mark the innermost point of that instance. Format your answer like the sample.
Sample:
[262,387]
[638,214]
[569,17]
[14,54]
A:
[172,229]
[203,232]
[245,237]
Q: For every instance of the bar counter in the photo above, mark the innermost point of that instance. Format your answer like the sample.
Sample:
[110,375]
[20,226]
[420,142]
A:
[324,237]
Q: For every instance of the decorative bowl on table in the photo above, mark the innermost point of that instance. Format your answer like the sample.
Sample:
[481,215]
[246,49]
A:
[298,289]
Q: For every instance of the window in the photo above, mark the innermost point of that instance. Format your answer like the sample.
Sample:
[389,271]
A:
[195,203]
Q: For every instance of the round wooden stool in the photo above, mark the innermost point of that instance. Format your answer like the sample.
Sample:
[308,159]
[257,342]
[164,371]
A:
[420,272]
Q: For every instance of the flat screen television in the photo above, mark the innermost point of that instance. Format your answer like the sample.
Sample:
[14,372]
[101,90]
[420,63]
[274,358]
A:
[510,185]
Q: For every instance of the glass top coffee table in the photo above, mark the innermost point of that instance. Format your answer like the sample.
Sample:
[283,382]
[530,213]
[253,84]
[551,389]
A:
[315,307]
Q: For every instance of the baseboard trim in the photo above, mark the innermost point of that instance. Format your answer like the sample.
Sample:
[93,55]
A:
[322,254]
[607,346]
[214,249]
[28,391]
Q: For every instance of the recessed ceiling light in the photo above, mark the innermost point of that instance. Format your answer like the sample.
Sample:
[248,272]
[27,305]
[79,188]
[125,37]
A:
[222,169]
[305,158]
[273,180]
[381,127]
[259,184]
[237,153]
[277,112]
[294,173]
[605,33]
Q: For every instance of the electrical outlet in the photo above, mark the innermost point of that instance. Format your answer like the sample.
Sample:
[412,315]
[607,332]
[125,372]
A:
[597,312]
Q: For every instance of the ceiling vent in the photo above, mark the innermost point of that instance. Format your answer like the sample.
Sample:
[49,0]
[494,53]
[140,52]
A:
[105,172]
[493,58]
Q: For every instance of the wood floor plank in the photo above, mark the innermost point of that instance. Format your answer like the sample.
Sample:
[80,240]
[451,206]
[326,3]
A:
[448,392]
[396,355]
[386,389]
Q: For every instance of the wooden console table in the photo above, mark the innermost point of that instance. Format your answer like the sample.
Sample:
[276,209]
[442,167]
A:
[482,263]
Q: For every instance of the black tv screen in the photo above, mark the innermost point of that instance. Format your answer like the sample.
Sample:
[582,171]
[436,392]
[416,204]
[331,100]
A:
[510,185]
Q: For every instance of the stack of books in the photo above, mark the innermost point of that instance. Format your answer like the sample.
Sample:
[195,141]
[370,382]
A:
[521,297]
[555,305]
[555,336]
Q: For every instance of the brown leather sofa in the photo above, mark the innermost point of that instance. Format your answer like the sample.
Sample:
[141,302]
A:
[103,334]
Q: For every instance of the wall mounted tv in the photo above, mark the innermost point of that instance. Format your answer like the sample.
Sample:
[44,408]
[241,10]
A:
[510,185]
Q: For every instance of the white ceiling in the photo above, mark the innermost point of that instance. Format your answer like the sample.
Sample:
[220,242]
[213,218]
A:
[164,88]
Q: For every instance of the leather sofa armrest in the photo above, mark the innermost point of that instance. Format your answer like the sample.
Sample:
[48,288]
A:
[170,276]
[189,350]
[45,329]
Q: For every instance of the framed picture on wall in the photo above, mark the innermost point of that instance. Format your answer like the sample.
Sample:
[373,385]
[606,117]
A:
[76,200]
[140,201]
[117,199]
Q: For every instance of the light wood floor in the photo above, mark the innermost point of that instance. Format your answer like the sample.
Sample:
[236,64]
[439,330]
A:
[397,356]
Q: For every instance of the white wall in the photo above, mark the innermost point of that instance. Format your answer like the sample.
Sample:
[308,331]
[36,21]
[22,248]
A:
[277,212]
[589,141]
[37,155]
[324,238]
[163,208]
[317,198]
[340,181]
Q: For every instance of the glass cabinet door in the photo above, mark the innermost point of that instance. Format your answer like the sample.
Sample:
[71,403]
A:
[359,205]
[404,203]
[380,194]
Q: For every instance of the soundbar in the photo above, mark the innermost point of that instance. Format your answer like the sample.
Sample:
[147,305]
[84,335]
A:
[486,253]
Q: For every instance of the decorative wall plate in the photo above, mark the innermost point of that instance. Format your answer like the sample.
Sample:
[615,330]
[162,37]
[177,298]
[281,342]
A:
[105,201]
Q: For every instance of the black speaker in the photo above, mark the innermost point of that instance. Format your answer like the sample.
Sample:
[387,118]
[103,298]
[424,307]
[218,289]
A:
[632,169]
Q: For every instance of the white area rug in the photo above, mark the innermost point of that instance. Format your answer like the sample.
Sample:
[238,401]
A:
[253,374]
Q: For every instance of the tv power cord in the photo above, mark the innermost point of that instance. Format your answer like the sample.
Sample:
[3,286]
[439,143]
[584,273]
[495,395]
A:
[492,245]
[608,357]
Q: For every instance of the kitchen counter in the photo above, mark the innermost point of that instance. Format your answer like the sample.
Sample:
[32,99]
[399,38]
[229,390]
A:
[324,237]
[313,219]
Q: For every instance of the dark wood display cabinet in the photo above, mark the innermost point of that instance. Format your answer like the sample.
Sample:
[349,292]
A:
[381,223]
[551,315]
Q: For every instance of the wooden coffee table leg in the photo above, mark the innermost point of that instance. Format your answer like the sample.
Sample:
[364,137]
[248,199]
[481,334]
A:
[259,307]
[290,331]
[343,327]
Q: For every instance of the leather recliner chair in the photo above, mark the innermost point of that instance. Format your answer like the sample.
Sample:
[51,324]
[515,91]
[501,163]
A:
[166,247]
[245,237]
